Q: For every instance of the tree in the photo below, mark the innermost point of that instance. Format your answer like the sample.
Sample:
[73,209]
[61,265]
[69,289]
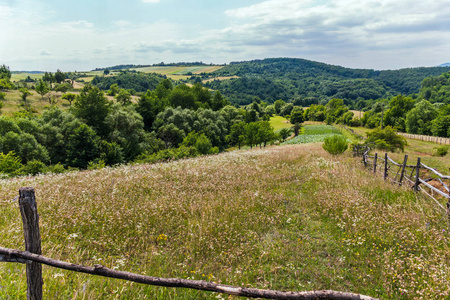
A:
[386,139]
[297,116]
[48,77]
[113,90]
[251,134]
[237,134]
[24,95]
[59,76]
[5,77]
[69,97]
[63,87]
[183,97]
[395,116]
[42,88]
[441,126]
[123,97]
[171,135]
[265,133]
[83,147]
[106,72]
[278,105]
[93,107]
[418,119]
[149,106]
[284,133]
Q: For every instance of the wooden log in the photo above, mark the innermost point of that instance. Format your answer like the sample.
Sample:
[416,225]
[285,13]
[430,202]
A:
[184,283]
[375,163]
[416,185]
[385,166]
[403,169]
[30,219]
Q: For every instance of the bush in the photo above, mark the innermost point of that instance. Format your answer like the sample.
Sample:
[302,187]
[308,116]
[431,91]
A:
[386,139]
[441,151]
[335,144]
[10,163]
[33,167]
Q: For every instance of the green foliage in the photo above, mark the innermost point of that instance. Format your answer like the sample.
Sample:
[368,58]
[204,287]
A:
[395,116]
[83,147]
[124,97]
[63,87]
[441,126]
[69,97]
[96,165]
[335,144]
[297,115]
[442,150]
[92,107]
[386,139]
[284,133]
[42,88]
[418,119]
[9,163]
[33,167]
[140,82]
[59,76]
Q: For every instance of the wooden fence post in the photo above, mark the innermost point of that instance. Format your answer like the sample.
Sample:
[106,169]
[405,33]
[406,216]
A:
[375,163]
[385,166]
[403,169]
[416,184]
[30,219]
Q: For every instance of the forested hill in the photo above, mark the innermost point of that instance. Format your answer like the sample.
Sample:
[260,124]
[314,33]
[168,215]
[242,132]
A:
[290,78]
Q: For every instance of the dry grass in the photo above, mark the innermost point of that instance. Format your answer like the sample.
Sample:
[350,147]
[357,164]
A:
[288,218]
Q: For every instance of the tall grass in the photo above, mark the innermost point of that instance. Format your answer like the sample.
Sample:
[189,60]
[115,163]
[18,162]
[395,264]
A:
[288,218]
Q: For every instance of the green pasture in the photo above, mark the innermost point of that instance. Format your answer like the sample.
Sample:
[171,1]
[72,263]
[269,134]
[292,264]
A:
[278,122]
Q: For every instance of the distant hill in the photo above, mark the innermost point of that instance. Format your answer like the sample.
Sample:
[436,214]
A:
[290,78]
[445,65]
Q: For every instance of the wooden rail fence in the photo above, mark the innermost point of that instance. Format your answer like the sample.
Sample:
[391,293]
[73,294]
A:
[426,138]
[419,176]
[33,259]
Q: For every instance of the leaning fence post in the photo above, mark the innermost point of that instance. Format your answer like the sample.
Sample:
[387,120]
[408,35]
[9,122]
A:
[416,184]
[30,219]
[385,165]
[375,163]
[403,169]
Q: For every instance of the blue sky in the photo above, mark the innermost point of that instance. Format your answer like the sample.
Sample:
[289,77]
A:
[82,35]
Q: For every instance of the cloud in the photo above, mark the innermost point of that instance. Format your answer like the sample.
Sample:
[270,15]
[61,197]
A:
[332,28]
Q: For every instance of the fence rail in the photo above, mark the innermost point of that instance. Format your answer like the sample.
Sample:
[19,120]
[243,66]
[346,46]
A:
[419,176]
[33,259]
[426,138]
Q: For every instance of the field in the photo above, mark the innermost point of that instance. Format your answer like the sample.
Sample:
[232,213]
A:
[284,217]
[278,122]
[313,134]
[177,73]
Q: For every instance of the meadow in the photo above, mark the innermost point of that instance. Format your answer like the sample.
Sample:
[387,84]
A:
[284,217]
[313,134]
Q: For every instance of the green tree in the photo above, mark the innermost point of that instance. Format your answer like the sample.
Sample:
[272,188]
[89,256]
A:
[149,106]
[5,77]
[124,97]
[441,126]
[418,119]
[182,96]
[251,134]
[63,87]
[69,97]
[284,133]
[297,116]
[83,147]
[9,163]
[171,135]
[42,88]
[278,105]
[386,139]
[59,76]
[265,133]
[24,93]
[92,107]
[395,116]
[237,134]
[113,90]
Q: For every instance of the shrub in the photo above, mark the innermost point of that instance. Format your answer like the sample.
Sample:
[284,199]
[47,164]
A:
[33,167]
[441,151]
[335,144]
[9,163]
[386,139]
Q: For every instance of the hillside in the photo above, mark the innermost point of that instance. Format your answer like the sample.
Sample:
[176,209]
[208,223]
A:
[285,218]
[290,78]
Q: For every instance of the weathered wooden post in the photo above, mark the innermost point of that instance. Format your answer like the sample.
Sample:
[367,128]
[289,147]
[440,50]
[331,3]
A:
[385,166]
[416,184]
[375,163]
[403,169]
[30,219]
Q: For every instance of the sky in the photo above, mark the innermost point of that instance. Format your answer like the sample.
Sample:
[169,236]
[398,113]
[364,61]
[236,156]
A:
[47,35]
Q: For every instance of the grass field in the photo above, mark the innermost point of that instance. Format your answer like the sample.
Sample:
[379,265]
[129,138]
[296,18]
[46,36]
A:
[285,218]
[278,122]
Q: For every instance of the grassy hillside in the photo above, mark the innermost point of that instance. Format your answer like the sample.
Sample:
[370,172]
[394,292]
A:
[286,217]
[289,78]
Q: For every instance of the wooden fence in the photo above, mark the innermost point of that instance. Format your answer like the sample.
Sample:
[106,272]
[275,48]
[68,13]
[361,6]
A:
[33,259]
[426,138]
[419,177]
